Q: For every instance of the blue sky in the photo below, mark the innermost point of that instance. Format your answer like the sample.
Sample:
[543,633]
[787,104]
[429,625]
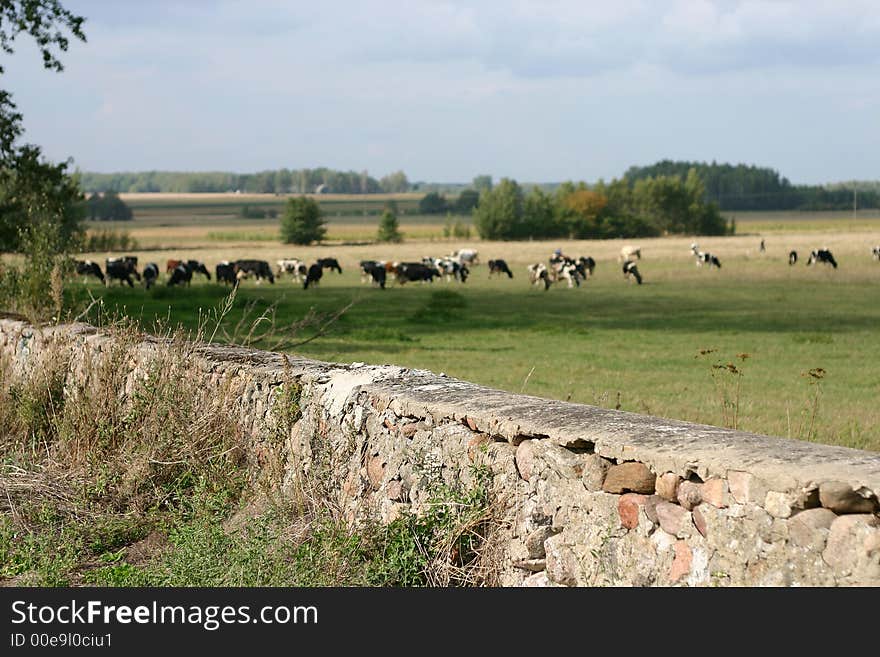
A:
[536,91]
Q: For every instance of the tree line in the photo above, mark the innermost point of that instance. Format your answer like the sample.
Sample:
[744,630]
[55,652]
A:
[748,187]
[276,181]
[662,205]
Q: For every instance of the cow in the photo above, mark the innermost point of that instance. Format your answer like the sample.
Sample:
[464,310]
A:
[792,257]
[225,273]
[367,267]
[631,271]
[293,266]
[875,252]
[538,274]
[374,270]
[498,266]
[585,266]
[313,276]
[198,267]
[561,266]
[822,255]
[705,258]
[181,275]
[258,268]
[416,271]
[150,274]
[89,268]
[122,269]
[329,263]
[627,252]
[448,267]
[465,256]
[171,265]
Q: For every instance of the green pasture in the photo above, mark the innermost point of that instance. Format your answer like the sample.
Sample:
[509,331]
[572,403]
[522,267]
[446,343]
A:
[662,348]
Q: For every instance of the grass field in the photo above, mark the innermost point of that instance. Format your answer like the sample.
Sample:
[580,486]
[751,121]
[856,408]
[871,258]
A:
[607,343]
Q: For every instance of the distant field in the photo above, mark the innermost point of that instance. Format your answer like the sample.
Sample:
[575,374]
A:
[786,222]
[607,343]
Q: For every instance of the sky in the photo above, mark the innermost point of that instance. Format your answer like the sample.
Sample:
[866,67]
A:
[537,91]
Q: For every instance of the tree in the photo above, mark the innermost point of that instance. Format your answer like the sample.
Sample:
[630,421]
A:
[34,192]
[394,183]
[432,203]
[467,201]
[583,212]
[108,207]
[500,213]
[389,228]
[482,183]
[302,222]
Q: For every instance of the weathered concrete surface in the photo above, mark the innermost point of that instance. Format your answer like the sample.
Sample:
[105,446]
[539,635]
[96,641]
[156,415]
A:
[710,506]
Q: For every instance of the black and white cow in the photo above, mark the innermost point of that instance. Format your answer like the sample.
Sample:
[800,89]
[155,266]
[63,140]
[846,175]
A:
[875,252]
[89,268]
[122,269]
[704,257]
[585,266]
[180,275]
[330,263]
[313,275]
[538,275]
[374,270]
[499,267]
[198,267]
[449,268]
[792,257]
[150,274]
[822,255]
[293,266]
[416,271]
[225,273]
[631,271]
[629,251]
[259,269]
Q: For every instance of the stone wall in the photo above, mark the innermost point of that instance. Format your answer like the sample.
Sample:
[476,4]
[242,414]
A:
[589,496]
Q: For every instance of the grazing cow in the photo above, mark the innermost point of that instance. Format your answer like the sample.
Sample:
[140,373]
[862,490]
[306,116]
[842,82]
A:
[416,271]
[704,257]
[792,257]
[313,276]
[295,267]
[367,266]
[538,274]
[89,268]
[449,268]
[499,267]
[374,270]
[171,265]
[563,267]
[258,268]
[875,253]
[225,273]
[330,263]
[151,274]
[627,252]
[466,256]
[585,266]
[198,267]
[631,271]
[822,255]
[122,269]
[182,275]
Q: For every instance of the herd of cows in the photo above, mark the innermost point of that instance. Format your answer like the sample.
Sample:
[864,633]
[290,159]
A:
[453,267]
